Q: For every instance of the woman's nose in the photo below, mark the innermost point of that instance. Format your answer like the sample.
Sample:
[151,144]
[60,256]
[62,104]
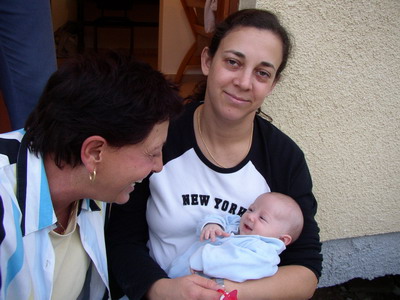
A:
[243,79]
[158,164]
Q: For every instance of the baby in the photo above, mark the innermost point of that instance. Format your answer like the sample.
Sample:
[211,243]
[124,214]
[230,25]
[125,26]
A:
[240,249]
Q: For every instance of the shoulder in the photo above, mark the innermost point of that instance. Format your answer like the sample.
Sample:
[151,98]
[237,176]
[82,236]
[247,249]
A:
[274,138]
[280,159]
[184,123]
[9,146]
[273,149]
[180,134]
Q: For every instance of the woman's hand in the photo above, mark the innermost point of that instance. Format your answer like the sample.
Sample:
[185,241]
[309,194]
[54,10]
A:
[289,283]
[191,287]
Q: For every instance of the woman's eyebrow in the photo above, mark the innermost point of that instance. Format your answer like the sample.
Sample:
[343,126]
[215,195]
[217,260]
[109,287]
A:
[237,53]
[268,65]
[241,55]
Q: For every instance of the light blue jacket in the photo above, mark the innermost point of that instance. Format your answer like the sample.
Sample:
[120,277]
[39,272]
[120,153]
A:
[26,216]
[237,258]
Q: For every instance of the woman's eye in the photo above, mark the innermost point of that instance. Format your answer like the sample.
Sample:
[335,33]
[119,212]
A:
[264,74]
[153,155]
[232,62]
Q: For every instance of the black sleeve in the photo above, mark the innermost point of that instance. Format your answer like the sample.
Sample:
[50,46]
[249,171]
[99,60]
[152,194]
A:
[131,268]
[306,250]
[290,175]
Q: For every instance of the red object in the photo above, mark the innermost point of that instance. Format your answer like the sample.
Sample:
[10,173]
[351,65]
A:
[229,296]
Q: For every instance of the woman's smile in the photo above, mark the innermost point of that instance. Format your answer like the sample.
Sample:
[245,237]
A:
[236,99]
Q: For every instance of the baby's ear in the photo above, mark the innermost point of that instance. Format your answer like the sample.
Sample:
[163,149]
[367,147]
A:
[286,239]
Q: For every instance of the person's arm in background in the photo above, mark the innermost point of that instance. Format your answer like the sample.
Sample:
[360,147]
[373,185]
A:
[131,267]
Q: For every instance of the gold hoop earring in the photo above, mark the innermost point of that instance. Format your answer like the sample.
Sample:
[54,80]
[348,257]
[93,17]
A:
[92,176]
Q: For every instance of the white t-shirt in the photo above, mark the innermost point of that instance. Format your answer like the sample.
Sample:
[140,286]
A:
[184,198]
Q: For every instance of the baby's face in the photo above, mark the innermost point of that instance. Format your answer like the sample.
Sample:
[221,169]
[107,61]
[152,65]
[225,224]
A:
[261,219]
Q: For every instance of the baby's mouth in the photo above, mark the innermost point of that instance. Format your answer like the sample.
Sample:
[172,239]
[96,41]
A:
[247,227]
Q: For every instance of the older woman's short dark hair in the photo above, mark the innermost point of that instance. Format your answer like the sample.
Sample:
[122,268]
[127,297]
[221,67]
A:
[106,95]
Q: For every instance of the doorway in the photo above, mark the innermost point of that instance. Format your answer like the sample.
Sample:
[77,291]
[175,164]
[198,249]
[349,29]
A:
[129,26]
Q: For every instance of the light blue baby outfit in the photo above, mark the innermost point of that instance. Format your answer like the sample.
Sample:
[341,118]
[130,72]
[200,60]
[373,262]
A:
[237,257]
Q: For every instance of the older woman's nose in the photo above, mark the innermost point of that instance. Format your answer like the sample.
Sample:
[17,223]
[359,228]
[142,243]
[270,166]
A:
[158,164]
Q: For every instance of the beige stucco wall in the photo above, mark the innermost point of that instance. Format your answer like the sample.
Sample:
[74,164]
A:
[340,101]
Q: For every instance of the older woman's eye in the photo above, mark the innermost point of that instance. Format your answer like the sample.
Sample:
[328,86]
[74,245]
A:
[154,155]
[150,156]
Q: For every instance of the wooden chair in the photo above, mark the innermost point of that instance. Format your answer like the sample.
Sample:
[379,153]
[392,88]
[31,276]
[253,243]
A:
[194,10]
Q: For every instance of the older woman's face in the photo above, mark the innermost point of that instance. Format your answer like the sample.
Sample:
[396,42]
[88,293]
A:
[122,167]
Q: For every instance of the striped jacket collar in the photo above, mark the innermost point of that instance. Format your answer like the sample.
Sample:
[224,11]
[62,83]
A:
[34,196]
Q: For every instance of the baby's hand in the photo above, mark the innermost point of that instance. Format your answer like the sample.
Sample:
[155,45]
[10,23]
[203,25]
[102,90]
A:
[211,231]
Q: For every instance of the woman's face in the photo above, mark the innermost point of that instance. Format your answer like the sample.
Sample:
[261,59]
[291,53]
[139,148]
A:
[121,168]
[242,72]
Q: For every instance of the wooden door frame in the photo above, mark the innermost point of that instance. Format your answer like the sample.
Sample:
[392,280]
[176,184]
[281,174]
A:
[225,8]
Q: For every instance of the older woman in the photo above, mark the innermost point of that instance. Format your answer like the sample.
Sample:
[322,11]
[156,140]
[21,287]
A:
[98,129]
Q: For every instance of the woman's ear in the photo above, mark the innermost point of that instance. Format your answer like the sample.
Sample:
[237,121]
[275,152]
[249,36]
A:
[286,239]
[205,61]
[92,150]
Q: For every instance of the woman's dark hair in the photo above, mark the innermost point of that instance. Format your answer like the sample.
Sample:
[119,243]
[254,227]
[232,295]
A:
[255,18]
[107,95]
